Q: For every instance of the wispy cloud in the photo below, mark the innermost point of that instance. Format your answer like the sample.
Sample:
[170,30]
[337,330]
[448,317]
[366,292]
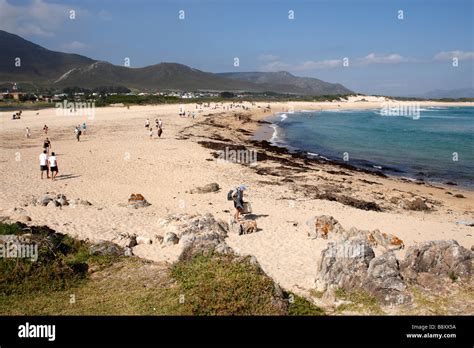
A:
[393,58]
[267,58]
[73,46]
[39,18]
[278,65]
[460,55]
[372,58]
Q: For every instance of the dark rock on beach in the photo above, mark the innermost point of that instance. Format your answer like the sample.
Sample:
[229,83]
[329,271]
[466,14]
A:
[212,187]
[106,248]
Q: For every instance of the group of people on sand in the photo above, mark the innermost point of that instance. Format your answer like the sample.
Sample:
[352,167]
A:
[158,126]
[16,115]
[48,163]
[189,114]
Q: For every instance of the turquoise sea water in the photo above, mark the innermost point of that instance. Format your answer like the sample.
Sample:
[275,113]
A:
[437,147]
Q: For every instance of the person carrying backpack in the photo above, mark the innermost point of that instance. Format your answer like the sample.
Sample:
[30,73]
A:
[237,196]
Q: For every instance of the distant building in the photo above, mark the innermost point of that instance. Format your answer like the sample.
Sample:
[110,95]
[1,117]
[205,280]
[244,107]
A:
[11,95]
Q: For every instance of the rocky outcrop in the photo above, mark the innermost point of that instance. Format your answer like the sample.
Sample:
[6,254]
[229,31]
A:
[352,265]
[323,226]
[438,258]
[384,280]
[51,200]
[196,234]
[212,187]
[344,264]
[327,227]
[137,200]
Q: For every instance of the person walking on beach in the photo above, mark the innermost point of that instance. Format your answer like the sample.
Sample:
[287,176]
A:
[151,133]
[77,131]
[43,158]
[47,145]
[53,165]
[45,129]
[238,198]
[147,123]
[84,128]
[27,134]
[160,123]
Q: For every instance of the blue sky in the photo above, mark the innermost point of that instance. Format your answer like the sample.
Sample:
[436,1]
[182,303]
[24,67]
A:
[386,55]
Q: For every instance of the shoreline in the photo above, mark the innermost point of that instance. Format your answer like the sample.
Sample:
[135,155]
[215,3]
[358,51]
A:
[268,130]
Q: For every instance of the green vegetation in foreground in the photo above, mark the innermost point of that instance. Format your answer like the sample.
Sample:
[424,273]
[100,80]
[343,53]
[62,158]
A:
[66,280]
[359,301]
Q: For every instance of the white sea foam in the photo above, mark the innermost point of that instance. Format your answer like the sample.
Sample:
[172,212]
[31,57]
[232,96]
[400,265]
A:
[274,138]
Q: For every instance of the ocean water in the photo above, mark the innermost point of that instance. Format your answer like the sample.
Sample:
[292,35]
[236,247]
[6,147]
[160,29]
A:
[437,146]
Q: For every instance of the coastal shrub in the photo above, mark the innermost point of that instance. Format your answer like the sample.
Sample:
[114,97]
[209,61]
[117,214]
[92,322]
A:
[210,284]
[300,306]
[61,262]
[10,229]
[215,285]
[227,285]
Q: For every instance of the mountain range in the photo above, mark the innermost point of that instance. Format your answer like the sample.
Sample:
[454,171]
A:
[43,68]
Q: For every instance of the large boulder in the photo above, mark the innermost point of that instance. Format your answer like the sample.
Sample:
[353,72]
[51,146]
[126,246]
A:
[324,226]
[344,264]
[196,233]
[384,281]
[439,258]
[351,265]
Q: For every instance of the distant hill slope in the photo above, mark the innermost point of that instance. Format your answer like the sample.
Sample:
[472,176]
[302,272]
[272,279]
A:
[45,68]
[38,64]
[284,82]
[171,76]
[451,93]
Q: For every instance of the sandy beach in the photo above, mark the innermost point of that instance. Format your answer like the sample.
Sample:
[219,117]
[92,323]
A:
[117,158]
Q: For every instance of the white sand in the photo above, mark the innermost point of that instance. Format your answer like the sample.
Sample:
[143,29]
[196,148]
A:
[117,158]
